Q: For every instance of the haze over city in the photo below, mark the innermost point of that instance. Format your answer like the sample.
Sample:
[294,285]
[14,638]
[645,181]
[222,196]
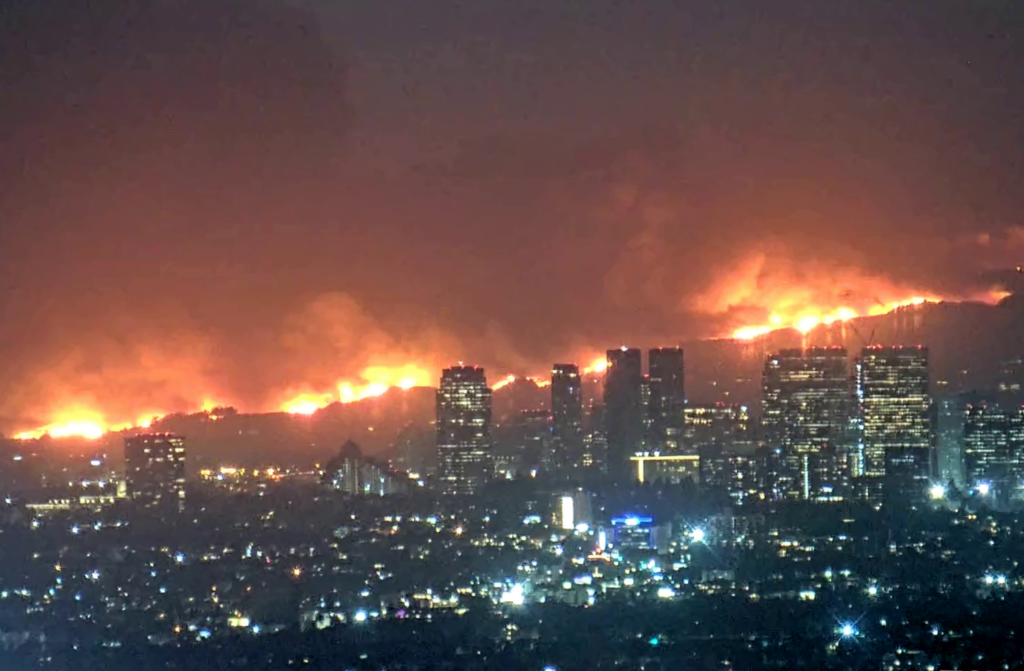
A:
[519,335]
[249,201]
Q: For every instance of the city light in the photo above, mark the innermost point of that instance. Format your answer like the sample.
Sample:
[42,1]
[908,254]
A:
[513,596]
[568,517]
[937,492]
[697,535]
[983,488]
[847,630]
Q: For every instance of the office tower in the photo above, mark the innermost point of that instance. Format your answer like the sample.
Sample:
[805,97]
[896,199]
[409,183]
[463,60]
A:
[623,410]
[595,439]
[949,446]
[353,473]
[463,430]
[567,416]
[155,470]
[987,457]
[573,509]
[739,476]
[898,419]
[522,444]
[666,468]
[805,413]
[1015,440]
[667,399]
[716,428]
[1010,383]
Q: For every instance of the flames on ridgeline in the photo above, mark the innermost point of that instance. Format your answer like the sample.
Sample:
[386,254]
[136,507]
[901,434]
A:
[742,311]
[766,292]
[374,381]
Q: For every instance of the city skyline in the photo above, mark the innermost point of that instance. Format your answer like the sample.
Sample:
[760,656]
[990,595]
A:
[518,335]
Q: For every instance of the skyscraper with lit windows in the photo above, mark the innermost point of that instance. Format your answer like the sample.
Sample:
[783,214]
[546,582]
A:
[806,407]
[666,403]
[986,440]
[155,470]
[898,419]
[624,414]
[463,430]
[567,416]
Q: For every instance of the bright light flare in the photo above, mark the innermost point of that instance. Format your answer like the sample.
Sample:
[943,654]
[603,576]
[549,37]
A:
[307,404]
[503,382]
[807,323]
[598,367]
[375,381]
[752,332]
[79,428]
[937,492]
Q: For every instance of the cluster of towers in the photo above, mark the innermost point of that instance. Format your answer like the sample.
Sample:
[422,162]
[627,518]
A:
[831,428]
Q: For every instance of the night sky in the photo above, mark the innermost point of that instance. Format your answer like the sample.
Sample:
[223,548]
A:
[231,198]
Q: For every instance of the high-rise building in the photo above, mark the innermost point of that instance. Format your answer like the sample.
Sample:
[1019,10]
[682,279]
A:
[899,420]
[352,473]
[623,410]
[805,414]
[667,401]
[463,430]
[993,447]
[987,461]
[1010,383]
[716,428]
[522,444]
[740,476]
[595,439]
[666,468]
[567,416]
[155,470]
[949,444]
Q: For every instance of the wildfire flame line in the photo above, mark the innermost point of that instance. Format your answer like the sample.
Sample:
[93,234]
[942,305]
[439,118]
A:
[374,381]
[377,380]
[807,320]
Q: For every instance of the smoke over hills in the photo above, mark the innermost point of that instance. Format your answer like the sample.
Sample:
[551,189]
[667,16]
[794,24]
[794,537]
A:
[227,202]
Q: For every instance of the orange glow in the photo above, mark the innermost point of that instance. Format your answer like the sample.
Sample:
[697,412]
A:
[503,382]
[83,428]
[807,320]
[598,367]
[777,289]
[374,381]
[807,323]
[307,404]
[751,332]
